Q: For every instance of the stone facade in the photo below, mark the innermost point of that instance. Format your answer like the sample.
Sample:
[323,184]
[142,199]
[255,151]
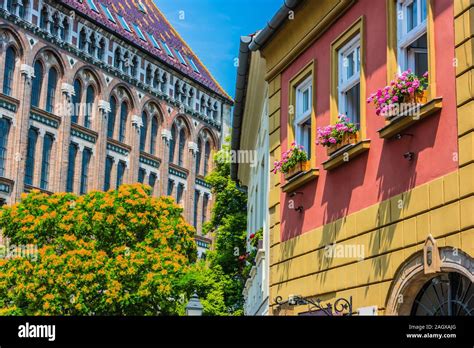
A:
[158,108]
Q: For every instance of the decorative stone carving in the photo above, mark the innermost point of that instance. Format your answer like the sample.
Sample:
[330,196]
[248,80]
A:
[431,258]
[137,121]
[27,70]
[68,89]
[104,106]
[193,147]
[166,135]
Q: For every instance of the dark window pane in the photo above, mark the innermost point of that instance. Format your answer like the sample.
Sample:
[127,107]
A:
[30,156]
[86,156]
[4,131]
[37,84]
[9,71]
[51,95]
[46,161]
[111,120]
[109,162]
[71,168]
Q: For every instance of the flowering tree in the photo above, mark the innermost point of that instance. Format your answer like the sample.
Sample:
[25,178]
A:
[105,253]
[333,134]
[404,85]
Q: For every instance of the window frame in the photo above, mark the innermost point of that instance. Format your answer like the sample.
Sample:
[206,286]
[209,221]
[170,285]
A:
[46,160]
[30,156]
[5,126]
[354,30]
[85,167]
[302,116]
[300,79]
[124,23]
[71,167]
[9,71]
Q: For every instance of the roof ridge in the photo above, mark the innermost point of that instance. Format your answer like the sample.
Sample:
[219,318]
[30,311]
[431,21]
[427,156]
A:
[192,51]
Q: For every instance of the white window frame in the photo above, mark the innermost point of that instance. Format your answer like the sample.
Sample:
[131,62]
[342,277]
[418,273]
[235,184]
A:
[303,137]
[405,38]
[345,84]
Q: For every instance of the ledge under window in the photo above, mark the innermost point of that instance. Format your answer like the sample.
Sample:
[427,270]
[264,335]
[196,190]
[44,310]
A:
[300,180]
[403,120]
[346,154]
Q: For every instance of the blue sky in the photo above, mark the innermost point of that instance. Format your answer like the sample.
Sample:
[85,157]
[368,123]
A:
[212,29]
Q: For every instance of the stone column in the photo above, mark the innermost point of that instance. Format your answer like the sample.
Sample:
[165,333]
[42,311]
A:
[19,132]
[164,167]
[134,156]
[64,138]
[101,146]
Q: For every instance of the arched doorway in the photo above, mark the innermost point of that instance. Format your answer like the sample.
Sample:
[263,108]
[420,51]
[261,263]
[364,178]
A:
[450,294]
[447,289]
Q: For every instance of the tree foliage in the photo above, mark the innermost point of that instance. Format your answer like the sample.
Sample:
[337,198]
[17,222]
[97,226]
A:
[228,223]
[104,253]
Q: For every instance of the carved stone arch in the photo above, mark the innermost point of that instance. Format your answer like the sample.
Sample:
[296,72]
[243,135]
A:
[122,92]
[154,109]
[206,134]
[50,57]
[182,121]
[88,75]
[413,274]
[10,37]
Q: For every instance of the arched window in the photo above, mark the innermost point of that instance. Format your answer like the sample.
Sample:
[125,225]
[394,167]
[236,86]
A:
[207,154]
[143,131]
[109,163]
[46,161]
[76,101]
[111,120]
[120,173]
[196,205]
[86,158]
[117,58]
[101,50]
[4,131]
[172,143]
[153,135]
[9,6]
[90,98]
[37,84]
[203,105]
[51,95]
[191,97]
[44,18]
[9,72]
[134,70]
[24,9]
[198,156]
[148,75]
[164,79]
[125,63]
[182,143]
[82,39]
[141,175]
[152,181]
[184,94]
[30,156]
[176,90]
[156,79]
[55,25]
[123,121]
[65,30]
[71,167]
[91,46]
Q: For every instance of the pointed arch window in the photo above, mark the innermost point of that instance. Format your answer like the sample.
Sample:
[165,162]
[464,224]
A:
[9,71]
[153,135]
[64,33]
[71,167]
[37,84]
[172,143]
[51,95]
[82,39]
[123,121]
[207,154]
[90,98]
[55,25]
[9,5]
[117,58]
[24,9]
[182,144]
[134,68]
[148,75]
[198,156]
[120,173]
[109,163]
[101,50]
[86,158]
[30,156]
[163,83]
[91,47]
[4,131]
[46,161]
[76,101]
[44,18]
[111,119]
[143,132]
[126,63]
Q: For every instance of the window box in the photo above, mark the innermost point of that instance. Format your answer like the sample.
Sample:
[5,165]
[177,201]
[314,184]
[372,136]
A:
[299,180]
[297,169]
[404,120]
[347,139]
[346,154]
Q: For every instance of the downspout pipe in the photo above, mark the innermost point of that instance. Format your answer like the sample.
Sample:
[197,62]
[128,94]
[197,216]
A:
[239,100]
[275,23]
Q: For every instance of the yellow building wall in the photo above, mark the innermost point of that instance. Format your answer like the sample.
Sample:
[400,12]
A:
[390,231]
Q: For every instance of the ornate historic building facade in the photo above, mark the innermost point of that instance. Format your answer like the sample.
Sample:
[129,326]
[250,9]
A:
[97,93]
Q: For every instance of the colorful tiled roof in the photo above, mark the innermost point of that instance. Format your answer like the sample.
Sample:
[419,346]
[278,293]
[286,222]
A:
[145,15]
